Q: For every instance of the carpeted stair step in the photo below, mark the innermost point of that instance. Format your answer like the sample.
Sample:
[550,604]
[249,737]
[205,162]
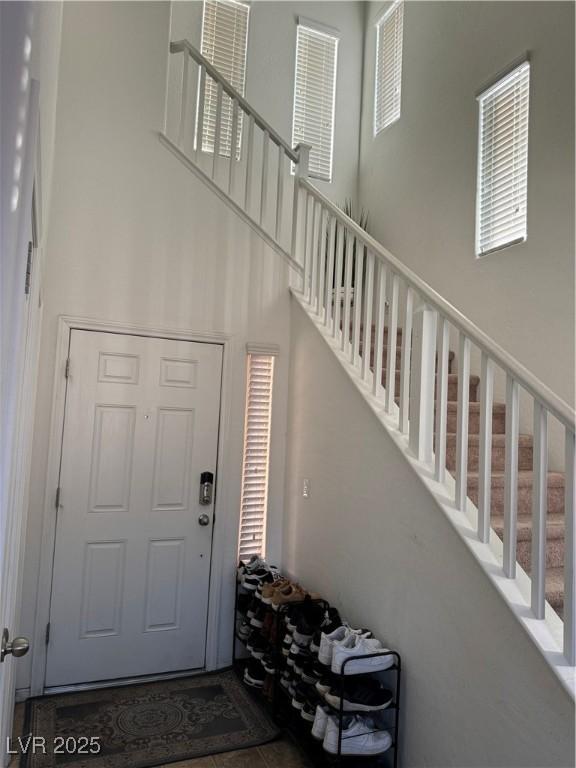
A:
[452,385]
[555,589]
[525,486]
[554,539]
[498,418]
[498,452]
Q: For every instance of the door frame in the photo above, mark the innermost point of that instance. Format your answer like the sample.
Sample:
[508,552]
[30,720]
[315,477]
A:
[66,324]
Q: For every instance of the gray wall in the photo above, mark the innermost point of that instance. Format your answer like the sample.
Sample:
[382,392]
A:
[370,538]
[417,178]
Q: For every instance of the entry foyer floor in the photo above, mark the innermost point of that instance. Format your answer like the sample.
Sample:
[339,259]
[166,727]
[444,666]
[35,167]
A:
[277,754]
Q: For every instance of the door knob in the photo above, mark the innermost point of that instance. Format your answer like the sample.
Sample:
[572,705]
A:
[17,647]
[204,519]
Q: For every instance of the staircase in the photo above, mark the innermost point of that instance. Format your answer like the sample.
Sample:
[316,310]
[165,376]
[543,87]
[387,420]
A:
[555,481]
[437,401]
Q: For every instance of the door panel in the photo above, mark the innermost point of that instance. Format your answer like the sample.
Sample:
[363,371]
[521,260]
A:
[131,562]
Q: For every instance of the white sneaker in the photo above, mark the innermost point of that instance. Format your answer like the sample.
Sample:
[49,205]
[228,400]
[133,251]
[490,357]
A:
[360,646]
[359,737]
[321,722]
[327,644]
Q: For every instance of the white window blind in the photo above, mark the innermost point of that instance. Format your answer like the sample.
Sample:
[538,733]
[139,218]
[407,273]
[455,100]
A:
[503,162]
[315,96]
[257,424]
[388,79]
[224,44]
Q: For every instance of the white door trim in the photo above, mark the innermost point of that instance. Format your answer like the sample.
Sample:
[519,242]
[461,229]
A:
[66,324]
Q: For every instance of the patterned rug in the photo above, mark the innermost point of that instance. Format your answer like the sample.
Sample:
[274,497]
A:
[143,725]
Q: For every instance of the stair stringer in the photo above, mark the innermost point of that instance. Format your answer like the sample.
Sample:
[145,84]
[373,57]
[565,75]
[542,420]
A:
[547,635]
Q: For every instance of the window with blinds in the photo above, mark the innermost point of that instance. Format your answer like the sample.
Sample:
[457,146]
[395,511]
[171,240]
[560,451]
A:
[254,504]
[315,97]
[224,44]
[388,78]
[503,162]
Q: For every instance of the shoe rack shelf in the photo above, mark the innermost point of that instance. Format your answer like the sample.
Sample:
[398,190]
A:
[278,700]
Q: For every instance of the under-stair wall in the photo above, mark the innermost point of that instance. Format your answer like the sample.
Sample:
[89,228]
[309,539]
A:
[371,538]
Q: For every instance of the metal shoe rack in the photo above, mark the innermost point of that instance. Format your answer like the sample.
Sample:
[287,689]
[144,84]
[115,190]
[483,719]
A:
[278,702]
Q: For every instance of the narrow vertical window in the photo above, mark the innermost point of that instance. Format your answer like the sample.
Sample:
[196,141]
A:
[503,162]
[388,78]
[224,44]
[315,96]
[257,423]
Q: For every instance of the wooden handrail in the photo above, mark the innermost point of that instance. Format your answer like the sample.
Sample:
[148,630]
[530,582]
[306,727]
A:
[183,45]
[552,403]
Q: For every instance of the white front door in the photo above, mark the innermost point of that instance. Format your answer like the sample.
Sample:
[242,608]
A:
[132,559]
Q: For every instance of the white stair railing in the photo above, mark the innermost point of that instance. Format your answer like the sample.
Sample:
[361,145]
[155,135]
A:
[234,150]
[365,299]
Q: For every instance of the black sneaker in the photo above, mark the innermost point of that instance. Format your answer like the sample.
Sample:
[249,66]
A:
[308,672]
[286,645]
[310,619]
[363,696]
[269,663]
[254,674]
[253,607]
[251,580]
[257,645]
[245,630]
[299,696]
[308,711]
[258,619]
[324,685]
[243,604]
[301,658]
[331,622]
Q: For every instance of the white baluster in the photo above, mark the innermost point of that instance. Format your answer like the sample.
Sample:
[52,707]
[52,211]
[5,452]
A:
[300,172]
[422,374]
[405,364]
[511,478]
[217,131]
[280,193]
[441,398]
[200,119]
[462,422]
[264,180]
[184,101]
[308,242]
[379,332]
[315,254]
[392,344]
[539,509]
[485,458]
[233,148]
[329,272]
[345,343]
[368,305]
[355,348]
[569,550]
[249,161]
[338,281]
[321,261]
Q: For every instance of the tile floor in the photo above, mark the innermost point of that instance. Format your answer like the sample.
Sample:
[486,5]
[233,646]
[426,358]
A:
[277,754]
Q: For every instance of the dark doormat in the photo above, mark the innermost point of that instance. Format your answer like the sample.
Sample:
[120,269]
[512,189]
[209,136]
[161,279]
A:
[146,724]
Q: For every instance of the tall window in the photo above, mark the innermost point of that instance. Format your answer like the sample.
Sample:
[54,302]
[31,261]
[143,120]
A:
[224,44]
[503,162]
[388,78]
[257,425]
[315,96]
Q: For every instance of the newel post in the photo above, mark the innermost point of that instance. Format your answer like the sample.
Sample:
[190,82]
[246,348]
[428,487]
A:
[422,380]
[301,171]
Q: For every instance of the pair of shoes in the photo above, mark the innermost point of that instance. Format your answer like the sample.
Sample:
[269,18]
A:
[360,695]
[261,574]
[330,640]
[266,589]
[244,630]
[360,735]
[254,674]
[331,622]
[345,656]
[287,594]
[257,645]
